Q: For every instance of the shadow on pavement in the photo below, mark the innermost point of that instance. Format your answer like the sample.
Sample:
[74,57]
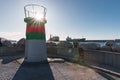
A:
[34,71]
[105,75]
[8,59]
[56,61]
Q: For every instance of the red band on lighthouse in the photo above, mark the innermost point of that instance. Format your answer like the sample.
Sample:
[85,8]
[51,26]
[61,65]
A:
[35,28]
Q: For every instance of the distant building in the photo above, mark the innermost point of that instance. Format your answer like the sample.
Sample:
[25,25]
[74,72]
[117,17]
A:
[54,38]
[82,39]
[68,39]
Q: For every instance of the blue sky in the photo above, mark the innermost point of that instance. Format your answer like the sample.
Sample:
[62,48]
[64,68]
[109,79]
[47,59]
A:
[92,19]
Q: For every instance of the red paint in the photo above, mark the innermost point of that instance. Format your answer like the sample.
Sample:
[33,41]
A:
[34,28]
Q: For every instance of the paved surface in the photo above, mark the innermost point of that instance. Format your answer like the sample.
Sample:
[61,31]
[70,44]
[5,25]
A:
[56,69]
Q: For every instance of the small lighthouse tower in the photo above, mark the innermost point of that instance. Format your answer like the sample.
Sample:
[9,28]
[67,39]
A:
[35,50]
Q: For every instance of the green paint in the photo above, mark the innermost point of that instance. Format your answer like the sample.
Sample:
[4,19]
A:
[35,35]
[33,21]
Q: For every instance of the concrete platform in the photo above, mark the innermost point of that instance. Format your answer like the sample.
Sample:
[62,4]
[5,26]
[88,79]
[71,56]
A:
[12,68]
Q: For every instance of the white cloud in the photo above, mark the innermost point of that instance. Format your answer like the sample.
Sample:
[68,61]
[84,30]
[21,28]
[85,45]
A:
[12,35]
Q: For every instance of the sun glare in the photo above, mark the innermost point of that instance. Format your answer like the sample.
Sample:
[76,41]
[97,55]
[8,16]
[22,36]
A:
[38,16]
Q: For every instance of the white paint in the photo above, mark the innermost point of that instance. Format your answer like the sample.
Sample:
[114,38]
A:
[35,51]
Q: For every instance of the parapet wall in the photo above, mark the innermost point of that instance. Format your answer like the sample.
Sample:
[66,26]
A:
[5,51]
[71,54]
[102,57]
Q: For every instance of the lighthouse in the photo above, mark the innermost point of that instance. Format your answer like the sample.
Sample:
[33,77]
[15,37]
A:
[35,47]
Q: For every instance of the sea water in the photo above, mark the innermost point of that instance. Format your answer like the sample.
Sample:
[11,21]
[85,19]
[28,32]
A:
[101,43]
